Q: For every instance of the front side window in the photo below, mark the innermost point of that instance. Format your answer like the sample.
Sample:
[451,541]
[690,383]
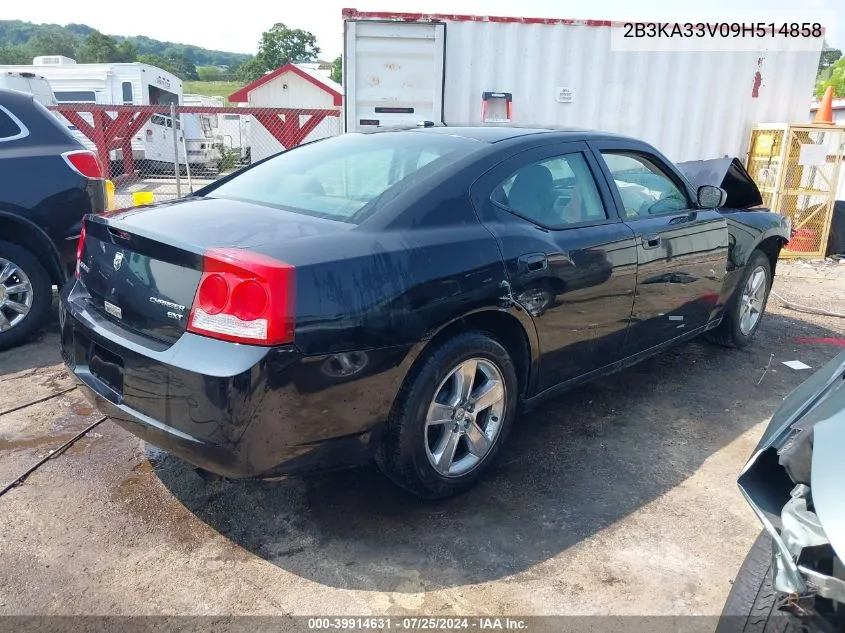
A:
[337,178]
[644,187]
[554,193]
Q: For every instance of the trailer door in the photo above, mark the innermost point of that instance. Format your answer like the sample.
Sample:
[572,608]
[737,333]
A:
[393,73]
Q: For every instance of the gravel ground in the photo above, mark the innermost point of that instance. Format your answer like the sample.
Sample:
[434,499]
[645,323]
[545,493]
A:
[616,498]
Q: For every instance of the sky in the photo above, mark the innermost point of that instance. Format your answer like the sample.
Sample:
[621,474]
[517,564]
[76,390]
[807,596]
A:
[237,26]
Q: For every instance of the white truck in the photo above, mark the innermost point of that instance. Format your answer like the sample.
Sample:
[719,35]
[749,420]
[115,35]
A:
[230,130]
[28,82]
[400,69]
[128,84]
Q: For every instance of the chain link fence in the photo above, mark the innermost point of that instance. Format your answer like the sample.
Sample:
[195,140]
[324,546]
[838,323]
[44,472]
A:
[156,153]
[797,170]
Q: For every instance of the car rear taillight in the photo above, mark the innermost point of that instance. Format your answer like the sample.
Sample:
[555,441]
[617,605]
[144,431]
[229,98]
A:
[85,163]
[244,297]
[80,245]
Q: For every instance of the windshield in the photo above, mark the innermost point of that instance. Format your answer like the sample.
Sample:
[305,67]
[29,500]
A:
[338,177]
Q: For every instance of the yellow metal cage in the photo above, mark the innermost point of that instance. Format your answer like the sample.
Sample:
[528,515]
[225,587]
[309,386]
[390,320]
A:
[796,168]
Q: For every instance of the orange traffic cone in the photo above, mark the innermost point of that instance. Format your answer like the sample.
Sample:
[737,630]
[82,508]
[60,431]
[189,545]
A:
[825,112]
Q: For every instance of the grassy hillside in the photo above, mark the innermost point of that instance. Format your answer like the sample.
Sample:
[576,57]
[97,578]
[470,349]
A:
[21,41]
[211,88]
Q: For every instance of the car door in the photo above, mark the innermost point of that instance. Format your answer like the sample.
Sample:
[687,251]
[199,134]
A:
[681,249]
[571,261]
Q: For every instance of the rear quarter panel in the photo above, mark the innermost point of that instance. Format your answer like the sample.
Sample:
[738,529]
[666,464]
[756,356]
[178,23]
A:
[359,290]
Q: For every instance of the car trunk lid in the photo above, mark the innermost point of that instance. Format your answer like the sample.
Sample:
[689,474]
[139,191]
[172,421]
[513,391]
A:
[141,267]
[142,284]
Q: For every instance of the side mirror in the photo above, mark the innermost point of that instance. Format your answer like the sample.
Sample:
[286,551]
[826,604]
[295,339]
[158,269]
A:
[710,197]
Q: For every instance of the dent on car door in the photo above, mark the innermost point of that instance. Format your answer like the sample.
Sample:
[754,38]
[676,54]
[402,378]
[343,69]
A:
[571,262]
[681,249]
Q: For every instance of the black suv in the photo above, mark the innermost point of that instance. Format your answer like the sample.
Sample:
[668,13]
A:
[48,182]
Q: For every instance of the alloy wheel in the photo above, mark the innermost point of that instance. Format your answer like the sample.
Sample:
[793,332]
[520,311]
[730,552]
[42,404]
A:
[15,295]
[465,417]
[752,300]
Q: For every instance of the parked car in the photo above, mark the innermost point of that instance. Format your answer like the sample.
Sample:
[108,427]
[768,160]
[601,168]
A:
[376,295]
[793,579]
[48,183]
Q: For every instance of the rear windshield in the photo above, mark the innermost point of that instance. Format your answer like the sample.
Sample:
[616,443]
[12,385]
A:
[343,178]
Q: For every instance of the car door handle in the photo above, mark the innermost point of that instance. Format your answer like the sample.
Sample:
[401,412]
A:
[651,241]
[683,219]
[532,262]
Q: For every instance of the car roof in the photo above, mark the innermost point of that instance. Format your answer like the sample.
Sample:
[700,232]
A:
[496,133]
[15,98]
[41,127]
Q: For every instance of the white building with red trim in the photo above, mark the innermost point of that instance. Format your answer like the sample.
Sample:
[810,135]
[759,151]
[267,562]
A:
[297,86]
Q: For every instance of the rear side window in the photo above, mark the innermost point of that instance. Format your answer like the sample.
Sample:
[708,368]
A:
[554,193]
[343,177]
[10,127]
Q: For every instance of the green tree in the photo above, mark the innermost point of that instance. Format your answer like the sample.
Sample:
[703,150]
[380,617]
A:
[337,70]
[209,73]
[158,61]
[250,70]
[51,39]
[185,68]
[281,45]
[836,79]
[828,57]
[15,55]
[53,43]
[126,52]
[99,48]
[179,66]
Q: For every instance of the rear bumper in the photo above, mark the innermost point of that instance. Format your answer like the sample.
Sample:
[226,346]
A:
[235,410]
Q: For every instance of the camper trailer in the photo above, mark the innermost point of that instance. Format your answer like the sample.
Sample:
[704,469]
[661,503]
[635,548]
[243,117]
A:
[128,84]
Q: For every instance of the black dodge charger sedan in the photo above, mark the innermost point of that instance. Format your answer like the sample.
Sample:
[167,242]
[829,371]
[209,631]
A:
[402,296]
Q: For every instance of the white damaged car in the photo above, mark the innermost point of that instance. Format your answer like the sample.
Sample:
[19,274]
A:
[793,579]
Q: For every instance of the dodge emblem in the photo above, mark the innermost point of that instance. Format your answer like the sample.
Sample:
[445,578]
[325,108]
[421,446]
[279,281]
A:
[118,260]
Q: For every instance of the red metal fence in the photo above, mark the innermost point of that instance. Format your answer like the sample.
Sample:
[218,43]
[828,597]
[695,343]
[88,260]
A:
[143,150]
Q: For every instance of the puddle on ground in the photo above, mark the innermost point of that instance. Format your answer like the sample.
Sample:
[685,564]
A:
[34,428]
[53,441]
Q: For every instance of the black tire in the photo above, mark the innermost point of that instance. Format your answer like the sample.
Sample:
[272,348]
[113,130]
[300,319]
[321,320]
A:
[728,332]
[402,456]
[752,604]
[42,297]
